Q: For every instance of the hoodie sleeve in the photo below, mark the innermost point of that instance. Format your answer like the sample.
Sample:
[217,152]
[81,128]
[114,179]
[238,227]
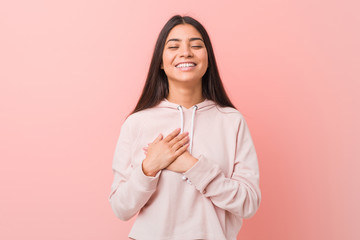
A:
[131,188]
[240,194]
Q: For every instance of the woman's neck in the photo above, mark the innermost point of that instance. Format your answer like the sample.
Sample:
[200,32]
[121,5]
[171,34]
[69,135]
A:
[185,98]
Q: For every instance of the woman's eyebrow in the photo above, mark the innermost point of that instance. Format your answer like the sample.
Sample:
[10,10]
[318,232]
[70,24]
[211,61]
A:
[178,40]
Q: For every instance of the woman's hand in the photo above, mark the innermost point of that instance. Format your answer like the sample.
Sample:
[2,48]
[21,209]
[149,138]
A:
[182,163]
[162,152]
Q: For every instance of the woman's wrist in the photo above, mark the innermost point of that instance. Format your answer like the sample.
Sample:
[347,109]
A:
[147,170]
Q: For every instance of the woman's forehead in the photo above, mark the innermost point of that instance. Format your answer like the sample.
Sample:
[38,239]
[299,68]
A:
[183,31]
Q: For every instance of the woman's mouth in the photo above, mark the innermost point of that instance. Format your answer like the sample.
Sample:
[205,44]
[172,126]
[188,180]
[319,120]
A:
[186,66]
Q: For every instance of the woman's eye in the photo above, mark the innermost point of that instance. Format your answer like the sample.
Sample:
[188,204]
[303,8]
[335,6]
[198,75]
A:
[197,46]
[173,47]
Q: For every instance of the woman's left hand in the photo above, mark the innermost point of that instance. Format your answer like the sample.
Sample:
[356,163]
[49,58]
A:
[181,164]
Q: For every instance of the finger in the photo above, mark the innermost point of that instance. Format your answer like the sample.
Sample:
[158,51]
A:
[181,150]
[159,137]
[180,143]
[178,138]
[172,135]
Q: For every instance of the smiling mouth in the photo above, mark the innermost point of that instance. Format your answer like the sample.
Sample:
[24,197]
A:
[185,65]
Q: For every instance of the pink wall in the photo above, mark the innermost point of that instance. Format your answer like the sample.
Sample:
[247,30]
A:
[71,70]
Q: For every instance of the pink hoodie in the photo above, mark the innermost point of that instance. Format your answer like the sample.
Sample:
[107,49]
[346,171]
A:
[210,200]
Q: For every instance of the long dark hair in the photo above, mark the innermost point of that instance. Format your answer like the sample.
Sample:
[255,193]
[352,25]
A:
[156,87]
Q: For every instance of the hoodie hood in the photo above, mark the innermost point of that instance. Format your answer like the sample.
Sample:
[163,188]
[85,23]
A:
[202,106]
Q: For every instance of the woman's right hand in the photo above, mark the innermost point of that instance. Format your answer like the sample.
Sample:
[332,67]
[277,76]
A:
[162,152]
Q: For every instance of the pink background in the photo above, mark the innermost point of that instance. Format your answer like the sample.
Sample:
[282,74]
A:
[72,70]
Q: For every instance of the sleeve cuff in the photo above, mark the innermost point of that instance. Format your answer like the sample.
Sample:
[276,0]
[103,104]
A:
[147,183]
[202,173]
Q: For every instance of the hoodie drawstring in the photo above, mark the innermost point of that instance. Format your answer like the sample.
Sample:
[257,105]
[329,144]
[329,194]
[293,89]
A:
[191,132]
[192,126]
[181,118]
[192,123]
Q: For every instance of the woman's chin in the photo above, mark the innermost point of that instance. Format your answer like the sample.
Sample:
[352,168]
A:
[186,81]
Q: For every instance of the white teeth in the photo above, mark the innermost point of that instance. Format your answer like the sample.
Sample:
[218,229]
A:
[181,65]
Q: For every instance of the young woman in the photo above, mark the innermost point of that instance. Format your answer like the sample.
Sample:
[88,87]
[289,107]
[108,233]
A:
[185,160]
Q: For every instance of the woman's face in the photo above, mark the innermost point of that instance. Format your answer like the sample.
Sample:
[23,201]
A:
[185,56]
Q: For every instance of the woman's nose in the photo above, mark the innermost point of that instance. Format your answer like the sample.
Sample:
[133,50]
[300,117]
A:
[186,51]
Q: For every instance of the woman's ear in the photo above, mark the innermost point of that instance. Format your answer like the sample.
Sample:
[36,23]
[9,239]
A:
[161,66]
